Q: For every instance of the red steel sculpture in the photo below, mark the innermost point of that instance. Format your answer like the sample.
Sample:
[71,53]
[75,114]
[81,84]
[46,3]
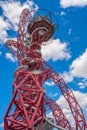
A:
[26,110]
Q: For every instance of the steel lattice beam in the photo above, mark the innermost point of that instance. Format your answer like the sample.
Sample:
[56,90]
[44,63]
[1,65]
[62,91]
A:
[57,112]
[26,109]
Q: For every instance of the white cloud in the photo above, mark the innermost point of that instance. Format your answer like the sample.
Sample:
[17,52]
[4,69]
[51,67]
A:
[82,84]
[50,83]
[12,10]
[73,3]
[10,16]
[67,76]
[1,125]
[3,28]
[55,50]
[11,57]
[81,98]
[77,69]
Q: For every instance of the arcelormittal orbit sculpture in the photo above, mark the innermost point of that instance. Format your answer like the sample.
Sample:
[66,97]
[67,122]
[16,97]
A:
[26,110]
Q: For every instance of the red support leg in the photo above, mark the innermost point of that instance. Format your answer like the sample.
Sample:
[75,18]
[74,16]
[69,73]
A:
[27,103]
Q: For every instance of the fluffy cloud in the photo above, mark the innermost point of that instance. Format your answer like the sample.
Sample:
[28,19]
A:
[3,29]
[55,50]
[73,3]
[10,12]
[68,77]
[11,57]
[10,15]
[78,69]
[81,98]
[82,84]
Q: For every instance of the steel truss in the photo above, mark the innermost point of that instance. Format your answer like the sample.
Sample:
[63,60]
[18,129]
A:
[26,110]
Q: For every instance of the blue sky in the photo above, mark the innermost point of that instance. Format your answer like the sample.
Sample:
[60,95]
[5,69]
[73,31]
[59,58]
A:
[66,52]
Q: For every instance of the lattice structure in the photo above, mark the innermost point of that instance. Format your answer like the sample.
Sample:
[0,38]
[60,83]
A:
[60,118]
[26,110]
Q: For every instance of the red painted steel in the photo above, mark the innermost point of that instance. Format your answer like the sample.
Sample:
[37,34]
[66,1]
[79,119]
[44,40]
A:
[27,102]
[26,110]
[57,112]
